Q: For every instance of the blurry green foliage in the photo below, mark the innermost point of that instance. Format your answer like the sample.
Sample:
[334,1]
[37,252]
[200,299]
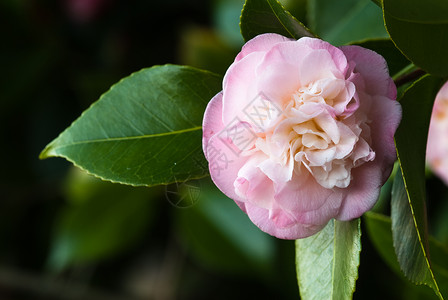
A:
[101,220]
[379,231]
[204,49]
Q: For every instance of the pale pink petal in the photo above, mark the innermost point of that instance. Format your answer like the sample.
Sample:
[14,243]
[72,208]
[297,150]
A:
[309,201]
[318,65]
[252,185]
[239,88]
[373,68]
[363,191]
[212,122]
[338,56]
[263,42]
[280,80]
[270,224]
[224,165]
[437,145]
[325,150]
[276,171]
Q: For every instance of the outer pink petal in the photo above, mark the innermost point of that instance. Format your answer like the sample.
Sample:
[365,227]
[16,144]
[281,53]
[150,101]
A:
[239,87]
[363,191]
[308,201]
[262,42]
[253,185]
[373,68]
[318,65]
[264,220]
[223,163]
[278,73]
[338,56]
[212,122]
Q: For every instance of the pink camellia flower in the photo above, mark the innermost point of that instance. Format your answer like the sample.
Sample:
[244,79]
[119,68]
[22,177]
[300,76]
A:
[302,133]
[437,146]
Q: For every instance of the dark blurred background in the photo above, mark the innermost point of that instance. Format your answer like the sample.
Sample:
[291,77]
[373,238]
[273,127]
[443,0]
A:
[67,235]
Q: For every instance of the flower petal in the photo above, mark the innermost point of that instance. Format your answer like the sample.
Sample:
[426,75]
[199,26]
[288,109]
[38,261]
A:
[378,81]
[212,122]
[263,42]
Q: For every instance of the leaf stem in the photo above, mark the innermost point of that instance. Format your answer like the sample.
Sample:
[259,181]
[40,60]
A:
[408,77]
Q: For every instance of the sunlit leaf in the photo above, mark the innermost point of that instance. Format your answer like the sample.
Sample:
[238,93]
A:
[327,262]
[146,130]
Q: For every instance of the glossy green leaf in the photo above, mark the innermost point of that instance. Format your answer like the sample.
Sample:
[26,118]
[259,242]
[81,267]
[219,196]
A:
[297,8]
[101,220]
[269,16]
[396,61]
[220,235]
[146,130]
[408,199]
[428,11]
[418,28]
[345,21]
[327,262]
[411,248]
[380,233]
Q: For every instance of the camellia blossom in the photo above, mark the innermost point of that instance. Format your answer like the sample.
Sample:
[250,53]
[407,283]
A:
[437,146]
[302,132]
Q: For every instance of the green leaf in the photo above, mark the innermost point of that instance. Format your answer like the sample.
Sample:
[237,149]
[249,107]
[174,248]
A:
[146,130]
[380,233]
[269,16]
[411,248]
[220,235]
[345,21]
[409,221]
[327,262]
[396,61]
[101,220]
[418,28]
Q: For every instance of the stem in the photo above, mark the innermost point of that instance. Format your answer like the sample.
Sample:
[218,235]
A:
[406,78]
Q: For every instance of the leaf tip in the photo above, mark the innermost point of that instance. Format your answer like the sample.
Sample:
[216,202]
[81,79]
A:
[48,151]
